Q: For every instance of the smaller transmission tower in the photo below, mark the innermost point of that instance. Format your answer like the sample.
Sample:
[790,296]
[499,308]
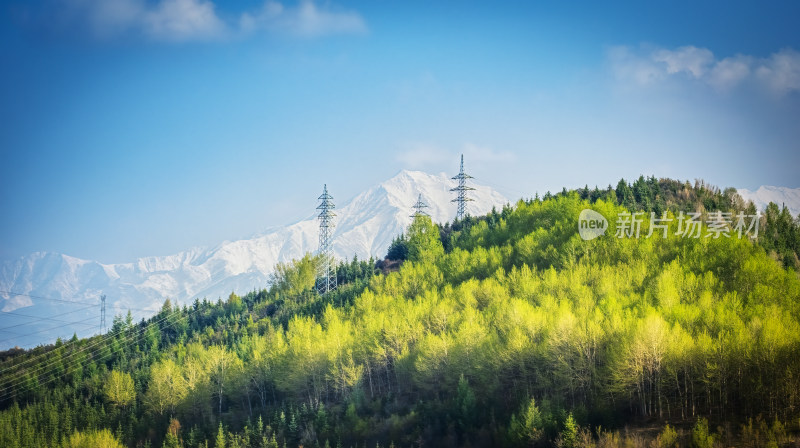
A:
[103,313]
[419,208]
[326,275]
[461,191]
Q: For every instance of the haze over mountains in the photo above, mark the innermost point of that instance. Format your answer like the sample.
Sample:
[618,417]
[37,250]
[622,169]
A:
[365,226]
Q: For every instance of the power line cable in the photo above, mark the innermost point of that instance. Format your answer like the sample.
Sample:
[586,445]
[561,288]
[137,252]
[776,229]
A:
[47,329]
[56,360]
[131,338]
[30,359]
[137,340]
[10,391]
[18,366]
[72,302]
[53,320]
[12,293]
[38,318]
[19,373]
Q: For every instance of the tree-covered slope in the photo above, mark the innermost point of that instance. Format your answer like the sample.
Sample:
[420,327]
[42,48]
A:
[503,330]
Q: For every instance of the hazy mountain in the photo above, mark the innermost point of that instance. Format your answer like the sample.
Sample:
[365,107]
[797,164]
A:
[365,227]
[779,195]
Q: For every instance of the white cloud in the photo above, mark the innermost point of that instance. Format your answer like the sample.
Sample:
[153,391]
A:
[188,20]
[629,66]
[425,155]
[779,73]
[183,20]
[305,20]
[691,60]
[167,20]
[105,18]
[729,72]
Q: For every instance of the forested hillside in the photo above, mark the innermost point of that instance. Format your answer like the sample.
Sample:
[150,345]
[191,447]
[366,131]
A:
[501,330]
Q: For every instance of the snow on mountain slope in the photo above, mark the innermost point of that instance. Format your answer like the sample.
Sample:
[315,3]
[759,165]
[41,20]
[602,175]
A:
[365,226]
[779,195]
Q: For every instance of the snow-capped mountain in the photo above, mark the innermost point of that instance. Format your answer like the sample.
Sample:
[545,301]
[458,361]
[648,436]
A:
[365,226]
[779,195]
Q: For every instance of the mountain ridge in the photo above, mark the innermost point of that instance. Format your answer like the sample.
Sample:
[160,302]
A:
[790,197]
[365,226]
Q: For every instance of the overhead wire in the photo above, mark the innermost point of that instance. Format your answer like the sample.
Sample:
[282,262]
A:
[28,360]
[12,389]
[136,340]
[19,373]
[74,353]
[48,329]
[128,339]
[38,318]
[12,293]
[57,300]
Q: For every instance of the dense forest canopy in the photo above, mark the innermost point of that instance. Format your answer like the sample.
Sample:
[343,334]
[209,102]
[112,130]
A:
[501,330]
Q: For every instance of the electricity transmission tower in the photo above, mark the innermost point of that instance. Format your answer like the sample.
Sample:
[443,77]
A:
[461,191]
[103,313]
[326,274]
[418,208]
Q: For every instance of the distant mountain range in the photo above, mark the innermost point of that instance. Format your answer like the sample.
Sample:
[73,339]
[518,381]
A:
[365,226]
[779,195]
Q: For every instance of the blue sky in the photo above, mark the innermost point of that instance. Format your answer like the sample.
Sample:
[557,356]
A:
[131,128]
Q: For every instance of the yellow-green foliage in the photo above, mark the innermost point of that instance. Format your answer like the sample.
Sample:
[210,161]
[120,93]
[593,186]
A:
[119,388]
[456,341]
[294,277]
[668,437]
[668,326]
[93,439]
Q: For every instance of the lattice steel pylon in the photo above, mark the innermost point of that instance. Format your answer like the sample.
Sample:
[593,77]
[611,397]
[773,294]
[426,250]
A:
[418,207]
[326,274]
[462,189]
[103,313]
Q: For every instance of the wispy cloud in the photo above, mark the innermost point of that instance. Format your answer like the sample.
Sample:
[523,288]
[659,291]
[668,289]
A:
[426,155]
[183,20]
[197,20]
[167,20]
[691,60]
[730,72]
[778,73]
[781,72]
[305,20]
